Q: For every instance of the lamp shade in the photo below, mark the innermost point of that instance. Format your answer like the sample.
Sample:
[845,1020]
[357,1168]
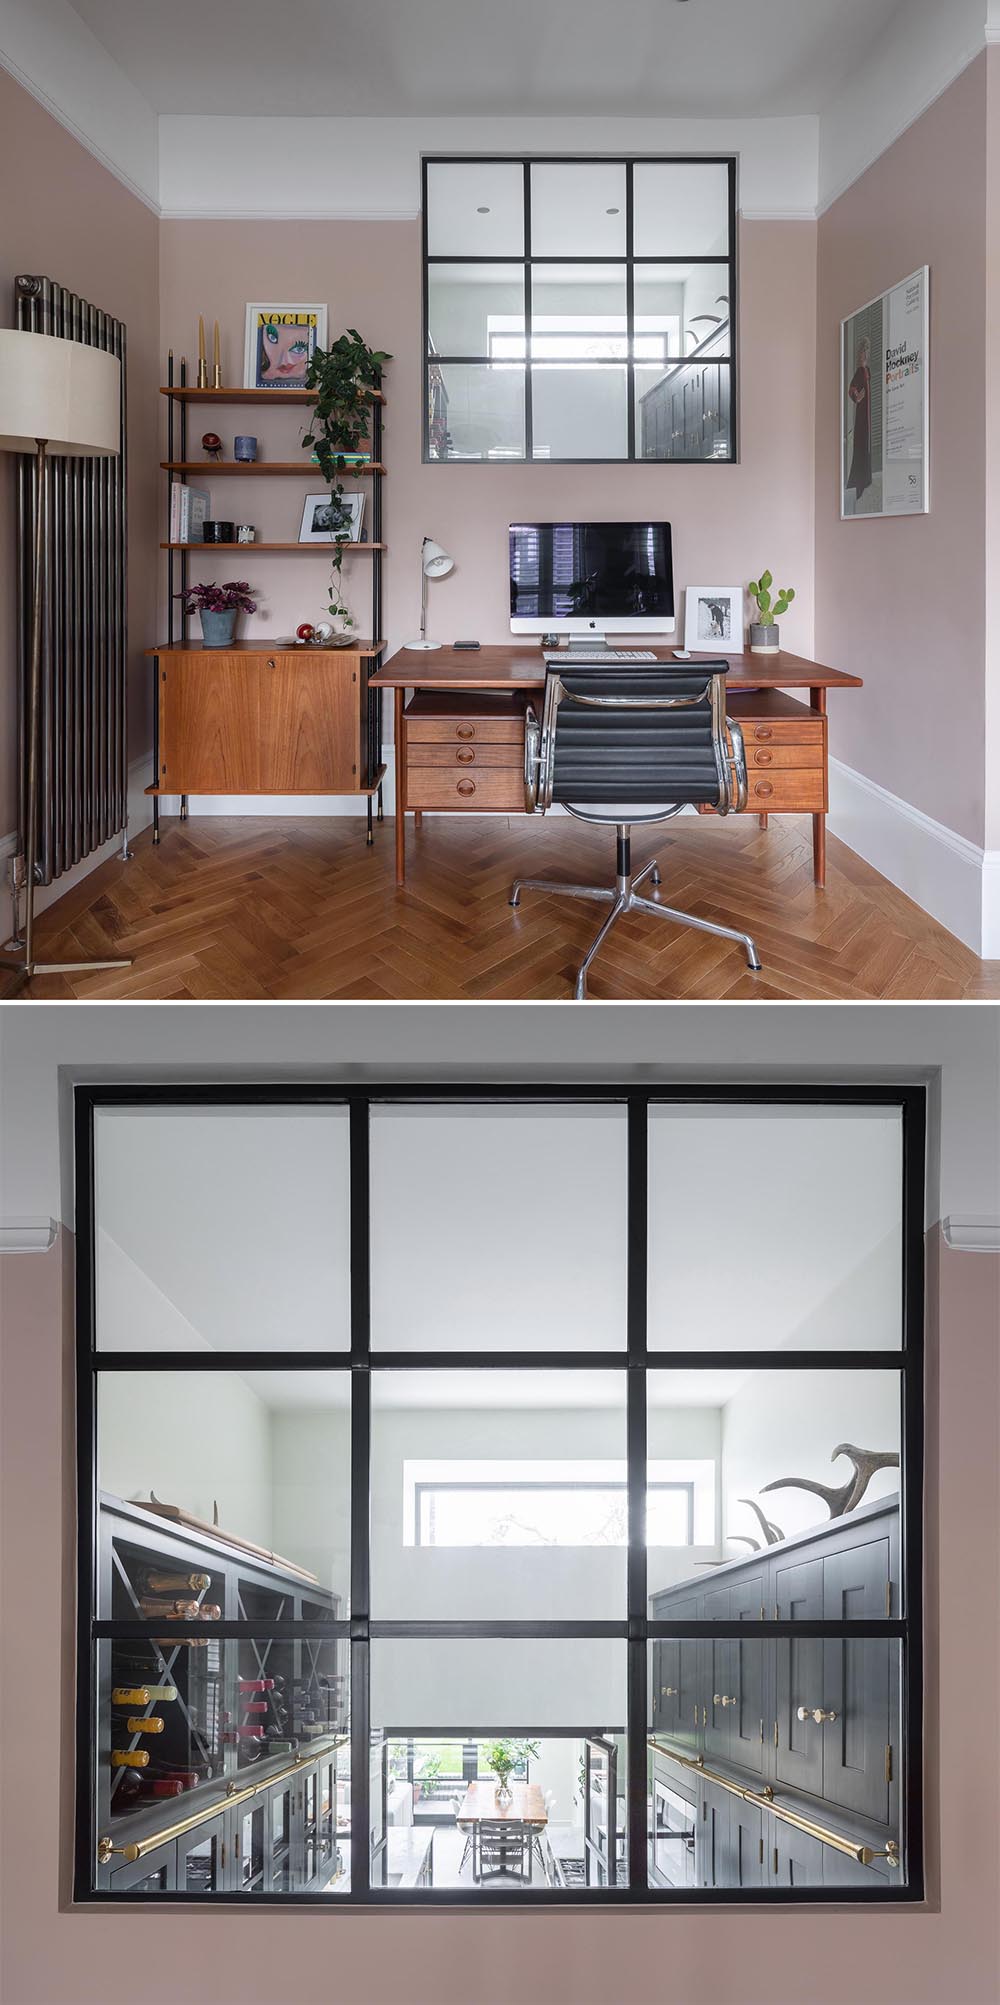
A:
[59,391]
[437,562]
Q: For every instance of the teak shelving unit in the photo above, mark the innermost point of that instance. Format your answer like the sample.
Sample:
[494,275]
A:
[364,655]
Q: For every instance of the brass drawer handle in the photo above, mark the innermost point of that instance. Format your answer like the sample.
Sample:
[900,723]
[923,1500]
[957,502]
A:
[466,787]
[763,788]
[465,755]
[465,730]
[762,758]
[762,731]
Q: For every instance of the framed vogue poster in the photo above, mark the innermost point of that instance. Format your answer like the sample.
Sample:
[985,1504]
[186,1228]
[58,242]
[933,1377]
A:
[884,424]
[279,341]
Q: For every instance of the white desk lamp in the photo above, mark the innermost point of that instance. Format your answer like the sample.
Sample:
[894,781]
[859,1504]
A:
[62,397]
[435,562]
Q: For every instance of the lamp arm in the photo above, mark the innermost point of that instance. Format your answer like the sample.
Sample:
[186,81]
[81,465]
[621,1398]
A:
[423,593]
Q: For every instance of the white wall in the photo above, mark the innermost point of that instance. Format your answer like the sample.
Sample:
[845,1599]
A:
[924,47]
[46,46]
[194,1441]
[787,1424]
[311,1497]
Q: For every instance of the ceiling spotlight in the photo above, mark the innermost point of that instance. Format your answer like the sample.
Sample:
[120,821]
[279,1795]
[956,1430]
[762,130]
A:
[483,209]
[612,212]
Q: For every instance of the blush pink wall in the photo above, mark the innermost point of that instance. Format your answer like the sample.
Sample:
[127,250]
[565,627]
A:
[904,601]
[729,522]
[942,1954]
[67,218]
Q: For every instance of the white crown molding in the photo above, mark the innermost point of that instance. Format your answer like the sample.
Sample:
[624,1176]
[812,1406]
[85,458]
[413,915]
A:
[968,1233]
[27,1235]
[233,214]
[77,132]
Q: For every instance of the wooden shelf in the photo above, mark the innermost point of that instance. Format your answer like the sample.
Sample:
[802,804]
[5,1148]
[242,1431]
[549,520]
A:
[363,647]
[187,393]
[307,472]
[307,549]
[160,792]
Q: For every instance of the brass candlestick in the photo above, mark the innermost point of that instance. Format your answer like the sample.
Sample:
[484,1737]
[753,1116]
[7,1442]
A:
[202,363]
[216,361]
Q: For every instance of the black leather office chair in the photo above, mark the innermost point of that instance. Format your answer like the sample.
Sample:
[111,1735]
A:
[627,746]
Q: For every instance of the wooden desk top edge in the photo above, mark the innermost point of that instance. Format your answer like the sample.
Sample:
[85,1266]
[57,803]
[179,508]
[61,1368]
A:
[523,668]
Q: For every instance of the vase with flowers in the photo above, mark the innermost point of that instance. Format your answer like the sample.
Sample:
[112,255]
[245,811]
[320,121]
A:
[503,1756]
[218,606]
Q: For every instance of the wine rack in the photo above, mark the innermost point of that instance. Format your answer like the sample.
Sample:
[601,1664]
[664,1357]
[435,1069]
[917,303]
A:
[189,1719]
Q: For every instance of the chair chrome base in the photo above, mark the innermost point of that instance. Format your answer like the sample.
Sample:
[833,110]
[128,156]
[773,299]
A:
[624,899]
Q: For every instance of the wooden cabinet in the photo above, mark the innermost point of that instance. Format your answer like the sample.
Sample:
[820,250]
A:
[786,752]
[464,752]
[252,722]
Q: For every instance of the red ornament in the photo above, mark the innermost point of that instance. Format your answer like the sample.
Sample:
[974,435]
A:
[212,444]
[304,632]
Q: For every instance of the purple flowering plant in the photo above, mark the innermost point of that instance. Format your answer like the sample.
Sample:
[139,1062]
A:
[215,598]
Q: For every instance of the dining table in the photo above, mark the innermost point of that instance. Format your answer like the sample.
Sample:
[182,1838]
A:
[479,1805]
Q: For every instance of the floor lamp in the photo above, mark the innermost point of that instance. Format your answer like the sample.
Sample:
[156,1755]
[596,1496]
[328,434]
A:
[62,397]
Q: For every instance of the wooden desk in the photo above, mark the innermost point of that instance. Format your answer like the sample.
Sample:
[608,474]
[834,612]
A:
[460,740]
[527,1806]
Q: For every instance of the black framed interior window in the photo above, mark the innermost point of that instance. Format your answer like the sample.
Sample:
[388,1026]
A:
[304,1311]
[580,308]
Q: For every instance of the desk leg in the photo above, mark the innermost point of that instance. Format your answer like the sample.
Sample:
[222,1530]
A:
[418,819]
[398,734]
[762,821]
[818,699]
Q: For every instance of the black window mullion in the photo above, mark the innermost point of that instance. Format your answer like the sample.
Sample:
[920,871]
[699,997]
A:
[629,312]
[636,1321]
[529,413]
[85,1220]
[361,1428]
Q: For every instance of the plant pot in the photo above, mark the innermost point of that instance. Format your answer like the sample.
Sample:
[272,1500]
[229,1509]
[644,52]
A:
[217,629]
[763,640]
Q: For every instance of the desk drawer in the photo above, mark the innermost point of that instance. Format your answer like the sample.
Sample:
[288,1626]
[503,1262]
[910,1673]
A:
[781,792]
[442,787]
[445,730]
[510,756]
[762,757]
[804,730]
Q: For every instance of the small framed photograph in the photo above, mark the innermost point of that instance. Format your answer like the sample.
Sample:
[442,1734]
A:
[327,519]
[713,619]
[278,343]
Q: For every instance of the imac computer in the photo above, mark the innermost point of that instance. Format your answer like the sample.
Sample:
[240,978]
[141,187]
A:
[588,579]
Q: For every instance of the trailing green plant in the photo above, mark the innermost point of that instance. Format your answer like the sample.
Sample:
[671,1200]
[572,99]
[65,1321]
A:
[503,1756]
[770,611]
[343,377]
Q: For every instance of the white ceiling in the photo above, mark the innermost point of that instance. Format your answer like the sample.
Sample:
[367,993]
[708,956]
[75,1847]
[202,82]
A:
[380,58]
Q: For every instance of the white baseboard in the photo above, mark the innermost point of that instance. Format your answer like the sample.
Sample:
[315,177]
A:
[951,878]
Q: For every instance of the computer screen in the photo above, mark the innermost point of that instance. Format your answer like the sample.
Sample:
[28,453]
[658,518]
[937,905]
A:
[591,577]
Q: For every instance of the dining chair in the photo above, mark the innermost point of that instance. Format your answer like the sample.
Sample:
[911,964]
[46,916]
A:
[503,1850]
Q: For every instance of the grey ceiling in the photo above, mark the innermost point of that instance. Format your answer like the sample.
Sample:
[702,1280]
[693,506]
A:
[502,57]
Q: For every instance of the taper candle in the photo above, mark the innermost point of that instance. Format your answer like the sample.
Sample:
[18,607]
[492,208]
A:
[202,364]
[216,360]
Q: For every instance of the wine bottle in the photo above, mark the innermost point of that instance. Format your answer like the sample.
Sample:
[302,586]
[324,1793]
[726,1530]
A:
[125,1757]
[177,1583]
[165,1786]
[254,1705]
[256,1684]
[150,1605]
[131,1695]
[161,1692]
[149,1724]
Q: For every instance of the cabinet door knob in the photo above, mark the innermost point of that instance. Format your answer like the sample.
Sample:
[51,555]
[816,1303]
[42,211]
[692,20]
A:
[271,661]
[763,788]
[466,787]
[720,1699]
[816,1713]
[465,730]
[465,755]
[668,1691]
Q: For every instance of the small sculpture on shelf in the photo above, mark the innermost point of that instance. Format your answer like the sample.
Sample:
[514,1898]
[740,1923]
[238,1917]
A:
[847,1496]
[211,444]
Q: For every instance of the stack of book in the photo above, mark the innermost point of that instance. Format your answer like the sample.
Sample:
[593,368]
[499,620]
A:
[190,507]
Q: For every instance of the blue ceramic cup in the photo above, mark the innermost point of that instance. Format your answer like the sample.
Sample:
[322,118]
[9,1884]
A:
[244,448]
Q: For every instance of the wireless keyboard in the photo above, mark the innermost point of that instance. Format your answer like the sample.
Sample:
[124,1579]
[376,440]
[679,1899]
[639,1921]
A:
[578,658]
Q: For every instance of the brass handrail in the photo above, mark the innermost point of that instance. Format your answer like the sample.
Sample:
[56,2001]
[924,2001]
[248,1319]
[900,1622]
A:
[765,1801]
[140,1846]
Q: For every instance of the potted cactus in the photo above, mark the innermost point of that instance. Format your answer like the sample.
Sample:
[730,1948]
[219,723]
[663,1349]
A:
[764,637]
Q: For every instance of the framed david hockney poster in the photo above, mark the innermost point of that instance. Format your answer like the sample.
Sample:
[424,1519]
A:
[278,343]
[884,403]
[713,619]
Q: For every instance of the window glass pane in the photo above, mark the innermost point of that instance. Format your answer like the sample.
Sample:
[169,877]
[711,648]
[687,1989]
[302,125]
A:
[578,313]
[476,411]
[684,412]
[475,209]
[745,1712]
[184,1723]
[498,1228]
[577,208]
[459,1717]
[679,308]
[773,1457]
[681,209]
[498,1495]
[222,1228]
[476,310]
[579,412]
[807,1256]
[240,1480]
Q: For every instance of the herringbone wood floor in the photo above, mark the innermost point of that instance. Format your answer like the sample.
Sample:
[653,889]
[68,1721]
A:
[252,909]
